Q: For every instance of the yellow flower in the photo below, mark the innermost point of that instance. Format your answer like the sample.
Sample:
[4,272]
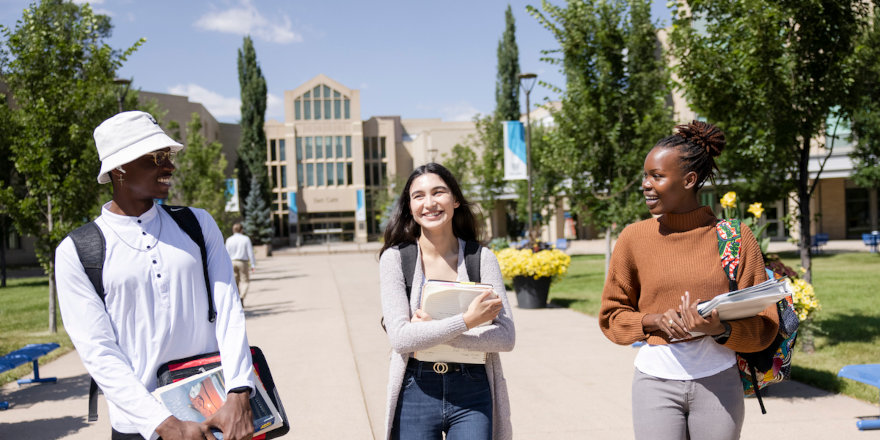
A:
[804,297]
[756,209]
[524,262]
[729,200]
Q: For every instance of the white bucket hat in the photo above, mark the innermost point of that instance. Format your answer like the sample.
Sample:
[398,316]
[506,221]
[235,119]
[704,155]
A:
[126,137]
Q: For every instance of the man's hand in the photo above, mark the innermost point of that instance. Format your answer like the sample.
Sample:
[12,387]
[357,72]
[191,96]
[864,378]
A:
[234,418]
[175,429]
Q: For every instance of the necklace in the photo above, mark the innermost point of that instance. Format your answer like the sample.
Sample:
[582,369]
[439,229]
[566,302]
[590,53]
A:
[150,247]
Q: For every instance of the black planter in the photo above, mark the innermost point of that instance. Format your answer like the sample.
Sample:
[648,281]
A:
[531,293]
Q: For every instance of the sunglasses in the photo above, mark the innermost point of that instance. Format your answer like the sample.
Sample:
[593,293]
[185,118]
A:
[162,157]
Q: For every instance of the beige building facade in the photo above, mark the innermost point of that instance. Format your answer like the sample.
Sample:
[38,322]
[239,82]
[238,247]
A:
[332,172]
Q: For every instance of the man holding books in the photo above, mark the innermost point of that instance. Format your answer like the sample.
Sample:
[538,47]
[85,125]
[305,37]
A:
[156,305]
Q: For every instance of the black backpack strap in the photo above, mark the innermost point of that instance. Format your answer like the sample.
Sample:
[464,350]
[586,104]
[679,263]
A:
[91,249]
[408,254]
[472,260]
[186,219]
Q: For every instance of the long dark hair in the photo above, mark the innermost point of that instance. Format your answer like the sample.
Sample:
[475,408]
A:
[699,144]
[402,227]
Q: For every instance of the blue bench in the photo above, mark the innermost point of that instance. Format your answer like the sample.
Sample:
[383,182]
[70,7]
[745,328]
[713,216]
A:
[871,240]
[561,244]
[28,353]
[818,240]
[868,374]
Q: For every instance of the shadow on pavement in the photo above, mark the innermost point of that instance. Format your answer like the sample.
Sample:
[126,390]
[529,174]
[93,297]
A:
[251,312]
[65,388]
[45,428]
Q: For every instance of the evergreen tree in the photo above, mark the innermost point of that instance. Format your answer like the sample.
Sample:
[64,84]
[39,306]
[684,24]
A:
[60,73]
[613,108]
[200,180]
[770,74]
[489,171]
[258,217]
[252,150]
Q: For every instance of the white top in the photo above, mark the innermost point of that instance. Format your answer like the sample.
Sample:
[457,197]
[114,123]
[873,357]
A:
[156,311]
[239,247]
[685,360]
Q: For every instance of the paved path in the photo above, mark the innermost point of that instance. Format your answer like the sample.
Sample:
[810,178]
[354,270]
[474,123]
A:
[316,317]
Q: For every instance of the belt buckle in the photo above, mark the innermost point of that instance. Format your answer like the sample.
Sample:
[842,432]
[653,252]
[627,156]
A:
[441,367]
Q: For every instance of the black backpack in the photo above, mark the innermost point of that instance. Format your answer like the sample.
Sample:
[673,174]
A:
[91,247]
[409,252]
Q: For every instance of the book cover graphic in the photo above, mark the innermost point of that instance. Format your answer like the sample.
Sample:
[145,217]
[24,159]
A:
[196,398]
[442,299]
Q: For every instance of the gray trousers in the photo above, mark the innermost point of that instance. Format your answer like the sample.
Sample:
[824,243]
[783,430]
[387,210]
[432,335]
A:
[710,408]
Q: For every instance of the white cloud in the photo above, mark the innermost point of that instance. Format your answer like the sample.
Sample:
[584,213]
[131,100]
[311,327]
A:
[274,107]
[247,20]
[219,106]
[462,111]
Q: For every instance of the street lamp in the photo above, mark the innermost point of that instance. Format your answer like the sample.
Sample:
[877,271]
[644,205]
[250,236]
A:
[527,82]
[120,95]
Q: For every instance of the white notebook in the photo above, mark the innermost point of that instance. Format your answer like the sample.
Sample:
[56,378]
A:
[442,299]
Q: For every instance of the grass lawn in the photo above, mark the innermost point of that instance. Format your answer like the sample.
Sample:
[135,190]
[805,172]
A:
[848,288]
[24,319]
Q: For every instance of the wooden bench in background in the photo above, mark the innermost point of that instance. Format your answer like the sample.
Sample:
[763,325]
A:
[28,353]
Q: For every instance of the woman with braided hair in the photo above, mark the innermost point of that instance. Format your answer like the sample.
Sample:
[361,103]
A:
[683,386]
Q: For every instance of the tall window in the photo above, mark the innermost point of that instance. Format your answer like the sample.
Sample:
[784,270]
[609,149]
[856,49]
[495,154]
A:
[325,161]
[282,155]
[322,102]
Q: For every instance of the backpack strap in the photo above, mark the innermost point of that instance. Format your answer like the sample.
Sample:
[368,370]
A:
[472,251]
[91,249]
[186,219]
[729,243]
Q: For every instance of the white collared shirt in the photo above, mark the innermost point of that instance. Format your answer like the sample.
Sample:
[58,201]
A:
[156,311]
[240,248]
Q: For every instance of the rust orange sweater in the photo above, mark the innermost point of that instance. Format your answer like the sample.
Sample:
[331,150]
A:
[656,260]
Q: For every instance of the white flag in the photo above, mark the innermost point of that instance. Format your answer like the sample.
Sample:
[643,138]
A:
[515,165]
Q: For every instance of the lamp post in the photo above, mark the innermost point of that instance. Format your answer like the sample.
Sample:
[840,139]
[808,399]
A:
[120,96]
[527,82]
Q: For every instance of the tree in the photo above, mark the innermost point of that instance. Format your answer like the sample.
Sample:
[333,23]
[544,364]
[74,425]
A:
[60,72]
[770,74]
[252,150]
[489,170]
[200,180]
[613,107]
[460,162]
[258,217]
[865,113]
[11,186]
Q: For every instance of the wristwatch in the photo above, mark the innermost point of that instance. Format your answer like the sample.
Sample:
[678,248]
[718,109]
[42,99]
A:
[722,338]
[248,389]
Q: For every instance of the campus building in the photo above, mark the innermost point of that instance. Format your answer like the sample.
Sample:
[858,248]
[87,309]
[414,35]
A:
[331,171]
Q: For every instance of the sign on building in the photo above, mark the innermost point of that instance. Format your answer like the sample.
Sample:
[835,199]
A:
[293,214]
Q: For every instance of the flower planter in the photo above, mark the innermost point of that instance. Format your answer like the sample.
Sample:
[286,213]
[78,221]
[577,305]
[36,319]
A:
[531,293]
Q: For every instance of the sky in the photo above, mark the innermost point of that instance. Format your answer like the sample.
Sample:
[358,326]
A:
[415,59]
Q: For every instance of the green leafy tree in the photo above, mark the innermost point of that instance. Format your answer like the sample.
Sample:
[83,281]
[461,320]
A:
[865,111]
[258,217]
[60,72]
[11,186]
[769,74]
[200,180]
[252,150]
[460,162]
[613,107]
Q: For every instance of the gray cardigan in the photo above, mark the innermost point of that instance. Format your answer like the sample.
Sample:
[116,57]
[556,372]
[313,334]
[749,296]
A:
[407,337]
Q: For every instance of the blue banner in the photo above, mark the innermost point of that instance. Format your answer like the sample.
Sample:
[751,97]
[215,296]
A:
[515,165]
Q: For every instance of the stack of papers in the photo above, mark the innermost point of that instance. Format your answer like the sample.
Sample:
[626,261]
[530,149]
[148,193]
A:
[748,302]
[442,299]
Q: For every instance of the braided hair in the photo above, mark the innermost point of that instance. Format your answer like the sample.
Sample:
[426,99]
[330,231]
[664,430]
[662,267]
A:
[699,144]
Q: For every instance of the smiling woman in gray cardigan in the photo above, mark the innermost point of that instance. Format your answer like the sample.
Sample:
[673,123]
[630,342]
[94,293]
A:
[433,214]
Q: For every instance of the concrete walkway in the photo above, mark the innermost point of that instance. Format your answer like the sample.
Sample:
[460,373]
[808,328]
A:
[316,317]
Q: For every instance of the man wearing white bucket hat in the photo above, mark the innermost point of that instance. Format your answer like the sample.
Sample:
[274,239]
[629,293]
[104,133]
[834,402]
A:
[152,309]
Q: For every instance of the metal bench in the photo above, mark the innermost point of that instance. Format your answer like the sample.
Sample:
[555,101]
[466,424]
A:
[867,374]
[817,241]
[28,353]
[871,240]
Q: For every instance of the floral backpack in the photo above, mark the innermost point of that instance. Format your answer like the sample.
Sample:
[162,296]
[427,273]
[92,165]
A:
[773,364]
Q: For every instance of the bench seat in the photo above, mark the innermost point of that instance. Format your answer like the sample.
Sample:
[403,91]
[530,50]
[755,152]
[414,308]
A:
[867,374]
[28,353]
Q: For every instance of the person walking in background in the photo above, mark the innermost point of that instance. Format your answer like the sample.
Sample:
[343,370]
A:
[427,399]
[242,253]
[683,386]
[155,307]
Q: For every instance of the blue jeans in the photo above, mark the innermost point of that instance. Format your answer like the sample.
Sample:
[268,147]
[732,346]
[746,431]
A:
[458,403]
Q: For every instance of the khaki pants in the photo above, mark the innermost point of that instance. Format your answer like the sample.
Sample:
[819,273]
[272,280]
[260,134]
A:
[242,277]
